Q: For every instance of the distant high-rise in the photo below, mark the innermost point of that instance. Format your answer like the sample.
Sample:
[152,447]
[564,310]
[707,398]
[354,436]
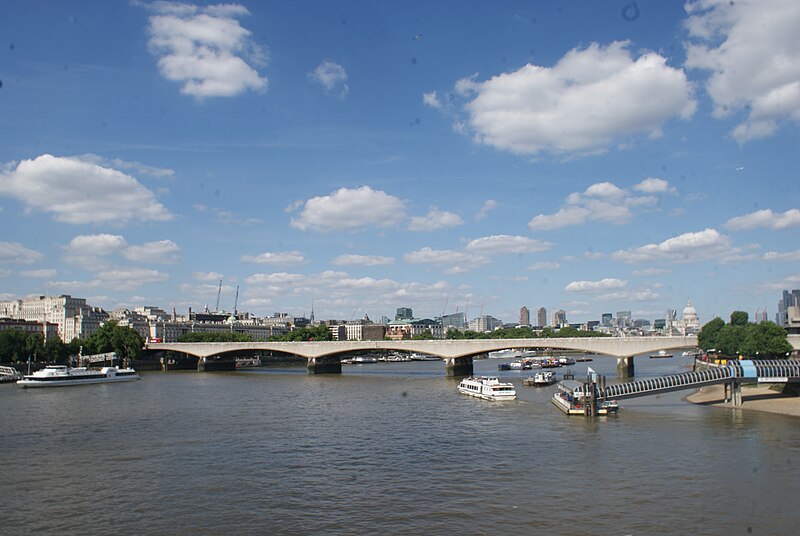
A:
[404,313]
[524,316]
[605,319]
[541,317]
[559,318]
[788,306]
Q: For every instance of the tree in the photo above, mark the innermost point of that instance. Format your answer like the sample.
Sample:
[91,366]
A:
[739,318]
[424,336]
[766,340]
[111,337]
[707,338]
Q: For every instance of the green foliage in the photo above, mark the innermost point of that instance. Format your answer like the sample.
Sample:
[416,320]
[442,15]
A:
[310,333]
[17,346]
[764,341]
[740,318]
[215,336]
[424,336]
[111,337]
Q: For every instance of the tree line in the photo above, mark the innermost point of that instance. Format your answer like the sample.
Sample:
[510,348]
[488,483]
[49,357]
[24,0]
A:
[19,346]
[740,337]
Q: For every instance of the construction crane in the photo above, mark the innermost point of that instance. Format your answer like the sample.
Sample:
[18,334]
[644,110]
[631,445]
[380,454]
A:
[216,309]
[236,302]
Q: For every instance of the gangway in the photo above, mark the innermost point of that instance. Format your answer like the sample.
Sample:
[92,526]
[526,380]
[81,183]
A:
[742,371]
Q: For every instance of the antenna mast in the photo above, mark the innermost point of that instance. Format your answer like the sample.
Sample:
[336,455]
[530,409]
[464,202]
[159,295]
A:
[236,303]
[216,309]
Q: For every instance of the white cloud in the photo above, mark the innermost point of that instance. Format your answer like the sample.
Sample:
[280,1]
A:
[85,248]
[427,255]
[435,219]
[589,99]
[752,51]
[207,276]
[206,49]
[651,272]
[544,265]
[350,209]
[488,206]
[80,192]
[116,163]
[782,257]
[44,273]
[17,253]
[362,260]
[765,218]
[603,201]
[507,244]
[654,185]
[630,296]
[278,257]
[432,99]
[274,278]
[688,247]
[128,278]
[331,76]
[596,286]
[160,251]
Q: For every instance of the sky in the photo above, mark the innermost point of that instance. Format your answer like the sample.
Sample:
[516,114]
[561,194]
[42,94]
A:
[361,156]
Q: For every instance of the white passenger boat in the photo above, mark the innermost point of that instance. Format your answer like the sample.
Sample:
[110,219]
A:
[56,375]
[487,388]
[569,398]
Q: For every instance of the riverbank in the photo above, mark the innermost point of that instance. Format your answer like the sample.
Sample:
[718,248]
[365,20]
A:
[756,397]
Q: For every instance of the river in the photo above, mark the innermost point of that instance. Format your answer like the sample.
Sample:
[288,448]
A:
[387,448]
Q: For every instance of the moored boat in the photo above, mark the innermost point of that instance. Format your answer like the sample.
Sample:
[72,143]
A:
[569,398]
[660,354]
[541,379]
[487,388]
[57,375]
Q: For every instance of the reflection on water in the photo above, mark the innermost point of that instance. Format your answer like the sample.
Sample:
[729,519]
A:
[387,447]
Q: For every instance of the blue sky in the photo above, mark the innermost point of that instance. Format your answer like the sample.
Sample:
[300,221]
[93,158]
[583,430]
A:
[364,156]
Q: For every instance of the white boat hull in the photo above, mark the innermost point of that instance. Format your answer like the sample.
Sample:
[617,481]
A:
[27,384]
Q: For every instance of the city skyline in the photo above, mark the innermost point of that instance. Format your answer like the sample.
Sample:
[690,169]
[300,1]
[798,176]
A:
[587,157]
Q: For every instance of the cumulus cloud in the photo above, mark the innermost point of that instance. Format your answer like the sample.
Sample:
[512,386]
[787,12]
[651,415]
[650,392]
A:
[206,276]
[274,278]
[753,54]
[688,247]
[585,102]
[435,219]
[278,257]
[14,252]
[654,185]
[765,218]
[116,163]
[331,76]
[350,209]
[80,192]
[602,201]
[206,49]
[160,252]
[596,286]
[86,249]
[454,258]
[507,244]
[362,260]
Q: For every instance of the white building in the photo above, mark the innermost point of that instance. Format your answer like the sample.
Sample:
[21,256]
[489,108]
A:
[74,318]
[689,324]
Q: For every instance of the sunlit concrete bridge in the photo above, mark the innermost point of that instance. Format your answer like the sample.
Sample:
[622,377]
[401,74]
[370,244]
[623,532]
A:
[325,356]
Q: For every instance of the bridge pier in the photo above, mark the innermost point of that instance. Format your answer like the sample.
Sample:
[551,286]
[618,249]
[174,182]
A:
[625,367]
[458,366]
[326,364]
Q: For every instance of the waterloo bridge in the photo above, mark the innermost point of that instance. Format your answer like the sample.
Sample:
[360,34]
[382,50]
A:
[458,354]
